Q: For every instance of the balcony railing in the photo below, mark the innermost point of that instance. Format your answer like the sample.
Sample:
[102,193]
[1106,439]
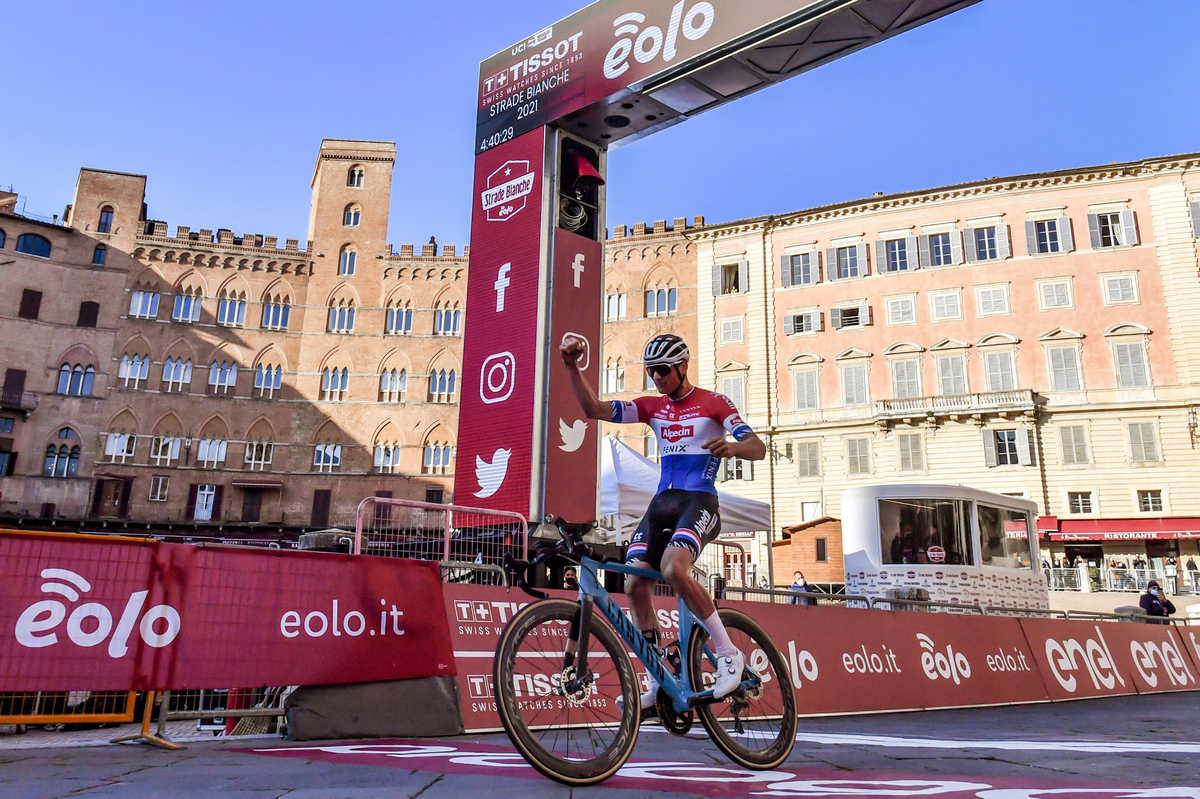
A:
[1017,401]
[25,401]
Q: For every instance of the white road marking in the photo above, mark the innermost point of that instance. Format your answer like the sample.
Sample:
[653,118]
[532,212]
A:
[1115,747]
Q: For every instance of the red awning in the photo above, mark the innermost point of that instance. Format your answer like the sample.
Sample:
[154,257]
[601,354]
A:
[1124,529]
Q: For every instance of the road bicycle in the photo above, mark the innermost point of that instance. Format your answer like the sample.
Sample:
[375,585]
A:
[569,698]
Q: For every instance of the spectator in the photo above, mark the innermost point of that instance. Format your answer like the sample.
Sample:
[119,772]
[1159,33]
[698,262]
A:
[1155,604]
[1057,563]
[570,581]
[800,586]
[1191,565]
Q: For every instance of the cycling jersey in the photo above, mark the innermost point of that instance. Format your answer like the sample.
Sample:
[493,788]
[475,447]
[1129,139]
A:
[682,427]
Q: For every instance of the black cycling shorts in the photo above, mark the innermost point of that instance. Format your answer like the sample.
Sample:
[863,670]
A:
[675,518]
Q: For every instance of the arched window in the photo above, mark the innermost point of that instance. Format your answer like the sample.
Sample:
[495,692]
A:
[231,311]
[187,305]
[143,303]
[387,457]
[442,385]
[106,220]
[99,254]
[120,447]
[164,450]
[268,379]
[347,259]
[259,455]
[399,318]
[177,374]
[335,384]
[438,458]
[341,316]
[351,216]
[392,385]
[76,379]
[663,301]
[3,238]
[62,460]
[327,457]
[212,452]
[447,320]
[134,369]
[33,244]
[355,177]
[222,377]
[275,312]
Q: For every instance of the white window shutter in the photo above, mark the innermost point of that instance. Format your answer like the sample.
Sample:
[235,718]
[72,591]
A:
[818,321]
[789,324]
[743,276]
[969,243]
[1031,242]
[1003,248]
[864,314]
[785,270]
[831,262]
[881,260]
[716,281]
[1094,230]
[835,318]
[956,247]
[910,252]
[989,448]
[863,269]
[1195,209]
[1066,241]
[1129,227]
[815,264]
[1023,452]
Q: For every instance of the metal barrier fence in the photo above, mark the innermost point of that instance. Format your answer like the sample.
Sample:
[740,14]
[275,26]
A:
[68,707]
[1065,580]
[404,528]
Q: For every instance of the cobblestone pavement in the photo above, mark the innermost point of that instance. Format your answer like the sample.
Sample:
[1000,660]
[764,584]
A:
[1120,747]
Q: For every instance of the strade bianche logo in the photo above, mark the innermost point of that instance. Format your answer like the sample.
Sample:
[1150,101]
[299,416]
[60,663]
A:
[89,624]
[507,190]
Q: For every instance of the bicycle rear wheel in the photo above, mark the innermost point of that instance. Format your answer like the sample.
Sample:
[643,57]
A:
[754,728]
[579,739]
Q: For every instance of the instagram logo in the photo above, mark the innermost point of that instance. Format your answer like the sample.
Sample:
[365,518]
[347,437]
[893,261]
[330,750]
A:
[496,378]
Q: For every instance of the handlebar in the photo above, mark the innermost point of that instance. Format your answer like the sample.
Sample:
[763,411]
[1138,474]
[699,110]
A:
[570,546]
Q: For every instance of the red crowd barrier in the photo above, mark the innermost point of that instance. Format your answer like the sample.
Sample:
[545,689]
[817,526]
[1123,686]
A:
[855,661]
[130,614]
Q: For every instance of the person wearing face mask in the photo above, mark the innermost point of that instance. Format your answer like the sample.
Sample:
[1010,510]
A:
[1156,604]
[800,586]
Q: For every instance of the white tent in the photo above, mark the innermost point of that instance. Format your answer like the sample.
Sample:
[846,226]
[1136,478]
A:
[628,481]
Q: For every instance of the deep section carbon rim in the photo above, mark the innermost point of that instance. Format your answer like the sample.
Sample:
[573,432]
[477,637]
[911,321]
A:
[758,729]
[580,737]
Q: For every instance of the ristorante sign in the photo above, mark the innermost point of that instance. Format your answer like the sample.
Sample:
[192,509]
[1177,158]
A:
[611,46]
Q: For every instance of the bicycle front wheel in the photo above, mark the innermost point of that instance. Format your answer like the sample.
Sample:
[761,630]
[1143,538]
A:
[577,737]
[755,728]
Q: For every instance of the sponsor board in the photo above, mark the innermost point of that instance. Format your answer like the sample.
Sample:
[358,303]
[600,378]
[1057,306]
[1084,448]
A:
[1079,659]
[965,585]
[123,615]
[602,50]
[577,286]
[500,358]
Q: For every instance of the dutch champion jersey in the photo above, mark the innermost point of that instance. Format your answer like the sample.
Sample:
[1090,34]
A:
[682,428]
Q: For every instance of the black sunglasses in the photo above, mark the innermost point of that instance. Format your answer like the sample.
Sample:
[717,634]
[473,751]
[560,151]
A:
[661,370]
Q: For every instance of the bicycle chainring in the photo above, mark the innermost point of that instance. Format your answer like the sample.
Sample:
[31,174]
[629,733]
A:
[674,723]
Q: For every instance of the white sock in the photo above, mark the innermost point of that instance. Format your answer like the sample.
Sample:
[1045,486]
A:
[720,638]
[652,689]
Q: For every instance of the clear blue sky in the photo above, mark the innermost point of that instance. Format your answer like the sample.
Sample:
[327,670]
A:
[224,104]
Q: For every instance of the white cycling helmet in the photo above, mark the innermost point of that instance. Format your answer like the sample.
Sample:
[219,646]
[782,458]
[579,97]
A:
[666,349]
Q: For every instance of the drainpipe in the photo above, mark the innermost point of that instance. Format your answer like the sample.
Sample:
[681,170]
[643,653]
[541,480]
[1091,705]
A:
[768,287]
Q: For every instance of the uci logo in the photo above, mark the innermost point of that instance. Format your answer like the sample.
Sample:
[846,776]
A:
[651,40]
[158,627]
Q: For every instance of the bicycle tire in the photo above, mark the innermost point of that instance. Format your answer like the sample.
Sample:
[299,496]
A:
[770,719]
[572,742]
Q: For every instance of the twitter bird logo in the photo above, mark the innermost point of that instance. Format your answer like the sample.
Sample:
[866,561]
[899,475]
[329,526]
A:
[572,435]
[491,475]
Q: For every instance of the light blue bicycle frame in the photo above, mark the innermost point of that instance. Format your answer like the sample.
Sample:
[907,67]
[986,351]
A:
[683,698]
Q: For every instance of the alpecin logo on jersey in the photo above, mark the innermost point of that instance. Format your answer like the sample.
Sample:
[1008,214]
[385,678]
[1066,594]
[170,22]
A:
[673,433]
[705,523]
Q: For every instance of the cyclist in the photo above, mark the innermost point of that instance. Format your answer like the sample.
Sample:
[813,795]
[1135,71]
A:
[690,424]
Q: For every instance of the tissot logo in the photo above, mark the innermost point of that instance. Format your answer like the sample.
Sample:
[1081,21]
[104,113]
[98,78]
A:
[507,190]
[675,432]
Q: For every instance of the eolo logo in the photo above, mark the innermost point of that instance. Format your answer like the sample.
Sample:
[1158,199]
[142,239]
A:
[89,624]
[651,41]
